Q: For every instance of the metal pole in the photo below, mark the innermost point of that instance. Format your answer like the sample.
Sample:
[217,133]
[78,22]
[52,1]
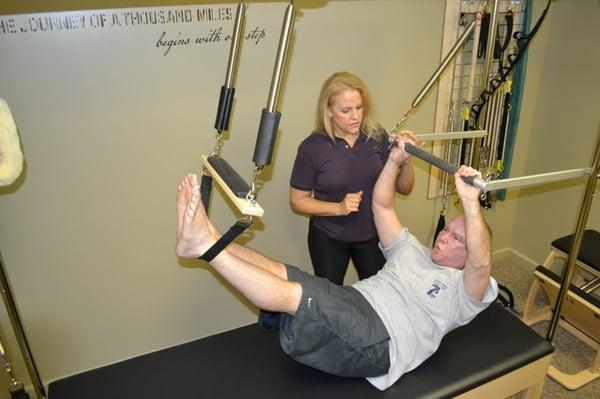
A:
[445,136]
[286,33]
[17,326]
[535,180]
[440,69]
[584,211]
[235,40]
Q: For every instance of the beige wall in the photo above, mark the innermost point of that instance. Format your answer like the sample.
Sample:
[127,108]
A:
[109,127]
[560,123]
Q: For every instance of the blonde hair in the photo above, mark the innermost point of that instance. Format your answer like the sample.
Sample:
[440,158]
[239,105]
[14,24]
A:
[334,86]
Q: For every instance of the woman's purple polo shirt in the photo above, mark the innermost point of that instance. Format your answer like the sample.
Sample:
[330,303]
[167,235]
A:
[332,170]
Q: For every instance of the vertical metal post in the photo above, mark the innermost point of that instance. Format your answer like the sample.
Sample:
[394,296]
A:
[584,211]
[286,33]
[235,43]
[17,326]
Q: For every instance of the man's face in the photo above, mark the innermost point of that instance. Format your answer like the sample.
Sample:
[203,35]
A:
[450,248]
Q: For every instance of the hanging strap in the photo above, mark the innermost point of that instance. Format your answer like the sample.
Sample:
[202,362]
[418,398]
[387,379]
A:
[234,231]
[523,41]
[205,190]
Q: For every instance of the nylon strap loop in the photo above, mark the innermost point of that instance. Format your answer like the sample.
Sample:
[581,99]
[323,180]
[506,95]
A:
[205,190]
[234,231]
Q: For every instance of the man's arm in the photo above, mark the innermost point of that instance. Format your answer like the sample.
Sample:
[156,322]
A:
[476,273]
[387,222]
[406,178]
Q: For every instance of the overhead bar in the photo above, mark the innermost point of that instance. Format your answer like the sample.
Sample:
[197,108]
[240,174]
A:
[451,135]
[440,163]
[494,185]
[533,180]
[444,136]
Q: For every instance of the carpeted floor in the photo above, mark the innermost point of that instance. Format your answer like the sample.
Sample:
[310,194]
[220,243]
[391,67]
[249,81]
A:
[571,355]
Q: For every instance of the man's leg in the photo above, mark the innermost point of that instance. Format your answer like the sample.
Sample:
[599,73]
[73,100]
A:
[263,288]
[186,187]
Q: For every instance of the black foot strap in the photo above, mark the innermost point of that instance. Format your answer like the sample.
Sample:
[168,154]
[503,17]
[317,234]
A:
[205,189]
[238,228]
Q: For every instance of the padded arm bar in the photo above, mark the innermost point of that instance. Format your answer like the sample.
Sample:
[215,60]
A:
[232,179]
[232,184]
[440,163]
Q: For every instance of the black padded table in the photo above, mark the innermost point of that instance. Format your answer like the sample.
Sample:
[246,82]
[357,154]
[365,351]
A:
[248,363]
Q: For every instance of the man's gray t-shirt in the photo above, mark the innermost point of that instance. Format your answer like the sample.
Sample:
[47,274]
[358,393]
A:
[419,302]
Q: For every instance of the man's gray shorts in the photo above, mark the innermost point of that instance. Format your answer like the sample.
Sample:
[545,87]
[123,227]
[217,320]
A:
[334,329]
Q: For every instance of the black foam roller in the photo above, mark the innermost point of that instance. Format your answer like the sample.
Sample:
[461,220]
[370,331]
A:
[435,161]
[265,140]
[224,108]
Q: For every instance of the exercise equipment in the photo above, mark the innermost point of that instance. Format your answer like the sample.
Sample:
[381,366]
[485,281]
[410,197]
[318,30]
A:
[494,356]
[581,313]
[581,310]
[240,193]
[434,78]
[487,185]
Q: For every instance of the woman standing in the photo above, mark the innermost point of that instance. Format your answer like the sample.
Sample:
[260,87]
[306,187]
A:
[333,178]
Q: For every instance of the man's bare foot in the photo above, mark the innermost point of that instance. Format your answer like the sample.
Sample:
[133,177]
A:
[193,234]
[191,180]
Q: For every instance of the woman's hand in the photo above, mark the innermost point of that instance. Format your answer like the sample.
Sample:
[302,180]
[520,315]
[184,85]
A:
[350,203]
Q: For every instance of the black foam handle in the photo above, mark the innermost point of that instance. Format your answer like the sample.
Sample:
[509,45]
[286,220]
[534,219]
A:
[435,161]
[224,108]
[265,140]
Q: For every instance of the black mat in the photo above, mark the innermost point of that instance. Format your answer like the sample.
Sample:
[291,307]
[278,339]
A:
[247,363]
